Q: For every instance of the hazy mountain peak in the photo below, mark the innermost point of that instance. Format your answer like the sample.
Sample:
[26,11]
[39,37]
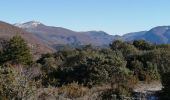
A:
[30,24]
[163,27]
[160,29]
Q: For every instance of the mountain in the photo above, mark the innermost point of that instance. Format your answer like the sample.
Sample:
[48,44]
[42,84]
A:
[133,36]
[57,36]
[30,24]
[54,36]
[101,37]
[158,35]
[7,31]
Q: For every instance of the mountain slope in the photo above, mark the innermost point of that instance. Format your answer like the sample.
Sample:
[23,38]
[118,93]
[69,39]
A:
[54,36]
[61,36]
[100,37]
[133,36]
[158,35]
[7,31]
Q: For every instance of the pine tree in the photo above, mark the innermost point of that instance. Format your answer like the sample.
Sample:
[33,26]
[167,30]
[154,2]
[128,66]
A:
[17,51]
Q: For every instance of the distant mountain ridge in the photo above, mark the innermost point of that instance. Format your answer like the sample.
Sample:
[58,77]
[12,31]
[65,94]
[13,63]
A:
[58,35]
[158,35]
[54,36]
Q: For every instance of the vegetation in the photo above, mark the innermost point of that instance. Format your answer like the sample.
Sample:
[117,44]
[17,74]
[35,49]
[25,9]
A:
[17,51]
[73,90]
[166,83]
[15,84]
[76,71]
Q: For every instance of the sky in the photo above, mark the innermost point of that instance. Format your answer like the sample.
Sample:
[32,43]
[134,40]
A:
[112,16]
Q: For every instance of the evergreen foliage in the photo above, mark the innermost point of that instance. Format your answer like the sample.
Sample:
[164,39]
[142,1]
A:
[17,51]
[122,66]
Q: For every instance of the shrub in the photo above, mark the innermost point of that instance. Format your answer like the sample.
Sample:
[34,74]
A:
[143,45]
[92,67]
[117,93]
[165,95]
[127,49]
[14,84]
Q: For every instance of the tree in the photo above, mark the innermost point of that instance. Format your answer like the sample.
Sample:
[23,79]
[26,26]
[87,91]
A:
[116,45]
[17,51]
[143,45]
[126,48]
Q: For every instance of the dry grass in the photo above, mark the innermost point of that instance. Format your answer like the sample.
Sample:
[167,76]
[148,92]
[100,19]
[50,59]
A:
[73,90]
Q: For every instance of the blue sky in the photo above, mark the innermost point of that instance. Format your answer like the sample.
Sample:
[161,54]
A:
[112,16]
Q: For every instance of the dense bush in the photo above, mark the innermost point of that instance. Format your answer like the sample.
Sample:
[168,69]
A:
[143,45]
[121,87]
[86,66]
[126,48]
[122,66]
[15,84]
[138,61]
[165,95]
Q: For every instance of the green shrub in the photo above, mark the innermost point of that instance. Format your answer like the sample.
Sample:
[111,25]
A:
[143,45]
[126,48]
[92,67]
